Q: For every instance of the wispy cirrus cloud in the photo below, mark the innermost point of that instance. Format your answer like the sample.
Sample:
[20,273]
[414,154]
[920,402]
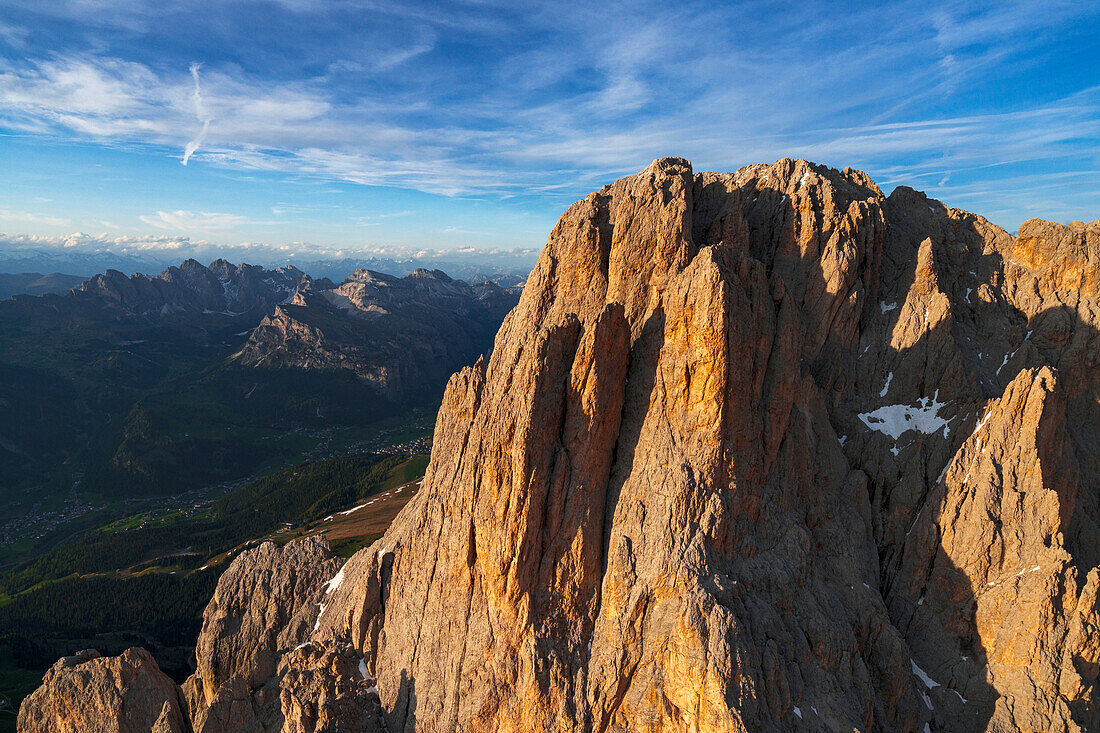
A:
[201,113]
[195,221]
[26,217]
[541,103]
[13,35]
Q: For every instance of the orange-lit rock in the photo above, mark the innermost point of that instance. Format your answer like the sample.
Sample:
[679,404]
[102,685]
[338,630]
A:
[766,450]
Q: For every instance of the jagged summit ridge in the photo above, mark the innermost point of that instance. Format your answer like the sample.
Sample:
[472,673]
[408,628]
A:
[645,380]
[762,450]
[397,334]
[220,288]
[657,503]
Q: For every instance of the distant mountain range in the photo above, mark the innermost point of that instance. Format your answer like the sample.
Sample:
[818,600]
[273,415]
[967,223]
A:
[505,267]
[220,288]
[35,283]
[394,333]
[202,373]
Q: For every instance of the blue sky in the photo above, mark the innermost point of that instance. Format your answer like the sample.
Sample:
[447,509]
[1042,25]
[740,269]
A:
[350,125]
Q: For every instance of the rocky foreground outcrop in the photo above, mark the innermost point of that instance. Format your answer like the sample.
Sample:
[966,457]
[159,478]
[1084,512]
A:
[265,603]
[87,693]
[766,450]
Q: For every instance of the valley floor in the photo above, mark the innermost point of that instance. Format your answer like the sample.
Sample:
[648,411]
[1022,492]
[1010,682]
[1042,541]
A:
[162,556]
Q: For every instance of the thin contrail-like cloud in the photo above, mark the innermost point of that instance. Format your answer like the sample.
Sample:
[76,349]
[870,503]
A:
[200,112]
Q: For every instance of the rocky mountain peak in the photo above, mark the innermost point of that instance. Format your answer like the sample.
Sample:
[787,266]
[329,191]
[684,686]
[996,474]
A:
[396,333]
[191,264]
[761,450]
[369,276]
[222,269]
[422,273]
[732,434]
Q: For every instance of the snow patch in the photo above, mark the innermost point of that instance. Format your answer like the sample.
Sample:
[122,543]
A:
[981,423]
[885,389]
[887,307]
[798,712]
[320,613]
[353,509]
[1007,357]
[928,681]
[913,526]
[964,700]
[895,420]
[335,582]
[363,668]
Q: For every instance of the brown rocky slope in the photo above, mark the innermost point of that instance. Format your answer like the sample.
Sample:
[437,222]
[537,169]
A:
[759,451]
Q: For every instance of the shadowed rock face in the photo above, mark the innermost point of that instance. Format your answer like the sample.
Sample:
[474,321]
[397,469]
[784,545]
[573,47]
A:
[760,451]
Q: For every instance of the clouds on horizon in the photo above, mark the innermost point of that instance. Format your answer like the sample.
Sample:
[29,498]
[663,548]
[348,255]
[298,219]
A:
[171,249]
[980,106]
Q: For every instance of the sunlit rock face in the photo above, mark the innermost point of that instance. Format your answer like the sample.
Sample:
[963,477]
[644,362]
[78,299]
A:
[87,692]
[755,451]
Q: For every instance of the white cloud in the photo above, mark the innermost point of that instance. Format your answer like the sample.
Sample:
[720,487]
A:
[201,113]
[26,217]
[145,253]
[194,221]
[13,35]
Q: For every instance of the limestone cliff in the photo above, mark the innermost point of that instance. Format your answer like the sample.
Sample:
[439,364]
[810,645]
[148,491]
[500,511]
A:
[766,450]
[760,451]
